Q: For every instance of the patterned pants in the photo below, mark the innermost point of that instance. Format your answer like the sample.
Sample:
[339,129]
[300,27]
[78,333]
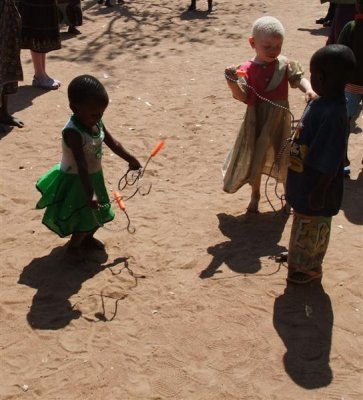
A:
[308,243]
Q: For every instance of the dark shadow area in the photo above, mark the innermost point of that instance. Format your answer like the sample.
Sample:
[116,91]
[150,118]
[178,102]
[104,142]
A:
[56,279]
[196,14]
[252,236]
[353,200]
[316,31]
[303,318]
[24,97]
[143,30]
[5,130]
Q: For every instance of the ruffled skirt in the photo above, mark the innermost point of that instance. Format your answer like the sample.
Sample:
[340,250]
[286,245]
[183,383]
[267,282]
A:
[64,199]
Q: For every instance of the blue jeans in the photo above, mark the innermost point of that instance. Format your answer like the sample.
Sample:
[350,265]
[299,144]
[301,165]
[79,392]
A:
[353,100]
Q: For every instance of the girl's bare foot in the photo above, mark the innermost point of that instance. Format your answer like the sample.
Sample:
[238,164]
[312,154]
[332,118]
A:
[253,206]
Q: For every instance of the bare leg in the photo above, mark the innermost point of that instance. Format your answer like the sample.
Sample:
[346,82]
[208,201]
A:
[75,243]
[255,196]
[39,64]
[41,78]
[193,5]
[91,242]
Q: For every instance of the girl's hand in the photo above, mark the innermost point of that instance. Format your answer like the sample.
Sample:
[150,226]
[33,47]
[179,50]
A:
[134,164]
[93,202]
[310,95]
[231,72]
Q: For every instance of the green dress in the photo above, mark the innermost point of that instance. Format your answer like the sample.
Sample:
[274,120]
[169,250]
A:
[63,195]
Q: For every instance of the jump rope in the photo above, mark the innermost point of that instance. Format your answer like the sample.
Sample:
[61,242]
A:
[294,126]
[131,179]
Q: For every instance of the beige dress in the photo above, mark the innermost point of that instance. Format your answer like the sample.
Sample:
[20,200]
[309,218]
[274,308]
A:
[262,143]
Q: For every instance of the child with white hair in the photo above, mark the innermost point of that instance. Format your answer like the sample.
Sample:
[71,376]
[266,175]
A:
[262,83]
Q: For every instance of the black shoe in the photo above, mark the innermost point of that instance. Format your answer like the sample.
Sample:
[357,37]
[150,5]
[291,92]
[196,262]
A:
[327,23]
[73,30]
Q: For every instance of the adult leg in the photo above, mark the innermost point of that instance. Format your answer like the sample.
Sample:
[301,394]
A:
[193,5]
[210,5]
[41,78]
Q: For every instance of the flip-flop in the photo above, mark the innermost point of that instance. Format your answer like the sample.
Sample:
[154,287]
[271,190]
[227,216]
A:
[303,277]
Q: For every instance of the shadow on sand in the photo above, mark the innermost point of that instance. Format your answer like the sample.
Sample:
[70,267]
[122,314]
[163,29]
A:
[251,237]
[303,318]
[24,97]
[57,279]
[352,200]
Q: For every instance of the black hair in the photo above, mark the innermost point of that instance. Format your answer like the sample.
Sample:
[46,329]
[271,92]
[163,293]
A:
[86,88]
[335,60]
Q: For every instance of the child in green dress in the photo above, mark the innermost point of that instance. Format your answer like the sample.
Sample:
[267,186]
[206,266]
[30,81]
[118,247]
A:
[73,191]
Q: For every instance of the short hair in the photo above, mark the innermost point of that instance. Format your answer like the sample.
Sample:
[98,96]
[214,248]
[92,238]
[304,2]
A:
[335,60]
[269,26]
[85,88]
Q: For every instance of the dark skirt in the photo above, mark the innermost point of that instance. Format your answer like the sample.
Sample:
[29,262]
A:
[10,30]
[40,25]
[343,14]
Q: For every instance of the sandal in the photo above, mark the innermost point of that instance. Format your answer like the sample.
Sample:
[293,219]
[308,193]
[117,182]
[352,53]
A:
[46,83]
[303,277]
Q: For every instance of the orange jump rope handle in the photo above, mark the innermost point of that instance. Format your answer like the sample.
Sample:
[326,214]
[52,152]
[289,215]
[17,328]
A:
[241,73]
[157,148]
[119,201]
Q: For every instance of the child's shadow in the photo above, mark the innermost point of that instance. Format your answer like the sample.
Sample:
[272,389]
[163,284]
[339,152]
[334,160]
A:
[352,200]
[57,279]
[251,237]
[303,318]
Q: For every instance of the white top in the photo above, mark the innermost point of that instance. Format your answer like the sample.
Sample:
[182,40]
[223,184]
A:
[92,148]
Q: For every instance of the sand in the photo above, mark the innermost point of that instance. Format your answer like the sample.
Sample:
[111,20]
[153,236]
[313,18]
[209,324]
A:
[193,305]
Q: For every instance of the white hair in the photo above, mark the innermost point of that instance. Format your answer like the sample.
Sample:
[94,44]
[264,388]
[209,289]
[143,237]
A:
[269,26]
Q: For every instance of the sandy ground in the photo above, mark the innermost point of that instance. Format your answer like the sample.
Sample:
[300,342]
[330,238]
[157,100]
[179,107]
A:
[138,321]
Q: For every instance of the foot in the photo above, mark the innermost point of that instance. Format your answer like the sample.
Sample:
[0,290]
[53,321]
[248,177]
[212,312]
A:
[287,209]
[253,206]
[46,83]
[93,243]
[320,20]
[73,30]
[327,23]
[108,3]
[9,120]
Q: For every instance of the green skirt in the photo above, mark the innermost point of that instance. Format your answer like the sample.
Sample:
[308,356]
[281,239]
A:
[64,198]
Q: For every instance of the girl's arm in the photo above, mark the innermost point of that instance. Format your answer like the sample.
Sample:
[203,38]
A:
[74,140]
[305,86]
[232,79]
[118,149]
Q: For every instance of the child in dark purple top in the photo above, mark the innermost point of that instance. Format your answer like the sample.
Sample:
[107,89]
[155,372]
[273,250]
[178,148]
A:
[315,176]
